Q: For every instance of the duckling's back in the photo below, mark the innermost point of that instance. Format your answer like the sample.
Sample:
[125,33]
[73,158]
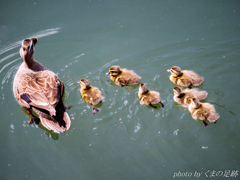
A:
[151,97]
[212,115]
[92,95]
[193,77]
[128,77]
[195,92]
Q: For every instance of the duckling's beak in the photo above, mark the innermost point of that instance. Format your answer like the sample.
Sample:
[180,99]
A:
[169,70]
[107,73]
[78,82]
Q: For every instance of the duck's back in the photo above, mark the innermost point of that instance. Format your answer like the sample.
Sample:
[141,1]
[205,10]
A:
[38,87]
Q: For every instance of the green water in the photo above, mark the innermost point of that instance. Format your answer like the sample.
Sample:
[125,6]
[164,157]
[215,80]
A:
[125,140]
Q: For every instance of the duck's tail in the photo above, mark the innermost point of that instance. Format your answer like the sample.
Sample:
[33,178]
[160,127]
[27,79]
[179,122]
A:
[54,125]
[59,123]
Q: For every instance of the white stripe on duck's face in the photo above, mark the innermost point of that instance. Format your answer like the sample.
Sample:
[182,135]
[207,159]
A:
[30,46]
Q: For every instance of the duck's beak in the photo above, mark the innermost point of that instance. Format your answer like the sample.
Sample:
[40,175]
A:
[169,70]
[107,73]
[35,40]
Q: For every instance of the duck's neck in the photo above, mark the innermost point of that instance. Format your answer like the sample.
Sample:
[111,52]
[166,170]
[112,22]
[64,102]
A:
[28,61]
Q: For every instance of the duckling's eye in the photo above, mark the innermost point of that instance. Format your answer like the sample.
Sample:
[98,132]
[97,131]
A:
[23,48]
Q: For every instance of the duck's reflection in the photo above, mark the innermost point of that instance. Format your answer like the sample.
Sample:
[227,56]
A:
[53,135]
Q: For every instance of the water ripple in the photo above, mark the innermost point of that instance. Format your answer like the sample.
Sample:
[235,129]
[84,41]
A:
[39,34]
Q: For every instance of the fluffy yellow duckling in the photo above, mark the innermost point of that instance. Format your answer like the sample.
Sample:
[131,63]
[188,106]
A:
[90,94]
[148,97]
[184,97]
[203,111]
[184,77]
[123,76]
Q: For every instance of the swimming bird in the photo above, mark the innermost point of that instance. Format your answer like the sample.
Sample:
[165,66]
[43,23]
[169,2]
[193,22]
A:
[185,77]
[184,97]
[90,94]
[203,111]
[123,76]
[40,90]
[148,97]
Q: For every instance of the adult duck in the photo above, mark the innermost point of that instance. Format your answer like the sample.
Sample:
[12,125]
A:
[40,90]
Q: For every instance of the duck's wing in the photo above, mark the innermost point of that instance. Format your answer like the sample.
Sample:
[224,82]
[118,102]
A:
[42,89]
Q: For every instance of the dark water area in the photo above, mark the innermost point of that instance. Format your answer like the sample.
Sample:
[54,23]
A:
[125,140]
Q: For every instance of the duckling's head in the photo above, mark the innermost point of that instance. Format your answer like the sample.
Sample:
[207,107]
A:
[195,103]
[114,71]
[84,84]
[27,49]
[175,70]
[177,91]
[143,88]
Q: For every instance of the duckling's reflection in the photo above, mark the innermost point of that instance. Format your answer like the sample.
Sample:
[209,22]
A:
[128,87]
[155,107]
[49,133]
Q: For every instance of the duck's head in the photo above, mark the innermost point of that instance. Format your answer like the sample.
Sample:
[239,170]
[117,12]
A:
[84,84]
[175,70]
[195,103]
[114,70]
[177,90]
[27,49]
[143,88]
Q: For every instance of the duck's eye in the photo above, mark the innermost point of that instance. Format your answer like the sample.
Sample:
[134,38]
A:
[24,48]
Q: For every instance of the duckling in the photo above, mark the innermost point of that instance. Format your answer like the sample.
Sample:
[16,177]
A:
[90,94]
[184,97]
[148,97]
[185,78]
[40,90]
[123,76]
[203,111]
